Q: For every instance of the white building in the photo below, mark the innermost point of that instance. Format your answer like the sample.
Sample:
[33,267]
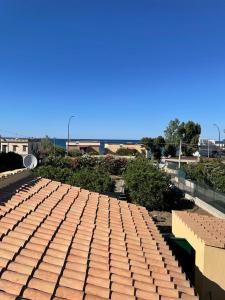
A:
[19,146]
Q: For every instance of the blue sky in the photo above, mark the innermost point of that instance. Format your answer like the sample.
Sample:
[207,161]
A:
[123,67]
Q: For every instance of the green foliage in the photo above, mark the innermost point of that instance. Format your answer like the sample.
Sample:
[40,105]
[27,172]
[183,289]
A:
[96,180]
[58,151]
[146,184]
[61,162]
[75,153]
[54,173]
[188,132]
[127,152]
[211,173]
[47,148]
[155,145]
[172,133]
[10,161]
[110,164]
[84,162]
[170,150]
[113,165]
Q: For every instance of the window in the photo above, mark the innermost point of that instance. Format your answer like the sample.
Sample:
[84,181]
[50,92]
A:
[24,148]
[4,147]
[14,148]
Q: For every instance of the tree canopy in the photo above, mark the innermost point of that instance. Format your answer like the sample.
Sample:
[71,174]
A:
[146,184]
[188,133]
[154,145]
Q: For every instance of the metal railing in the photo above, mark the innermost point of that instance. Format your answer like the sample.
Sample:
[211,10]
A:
[201,191]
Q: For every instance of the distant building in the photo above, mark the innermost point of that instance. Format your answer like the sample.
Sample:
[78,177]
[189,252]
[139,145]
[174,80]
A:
[210,148]
[112,148]
[19,146]
[84,147]
[98,147]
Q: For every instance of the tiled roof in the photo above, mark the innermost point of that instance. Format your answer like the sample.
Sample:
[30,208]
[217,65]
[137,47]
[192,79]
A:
[208,228]
[62,242]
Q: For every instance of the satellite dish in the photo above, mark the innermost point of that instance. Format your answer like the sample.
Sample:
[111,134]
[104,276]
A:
[30,161]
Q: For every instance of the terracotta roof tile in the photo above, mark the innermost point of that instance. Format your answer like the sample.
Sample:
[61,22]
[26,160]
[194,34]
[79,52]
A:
[61,242]
[208,228]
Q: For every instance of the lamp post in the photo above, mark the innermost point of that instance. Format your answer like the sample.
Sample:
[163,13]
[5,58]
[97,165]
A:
[68,140]
[219,136]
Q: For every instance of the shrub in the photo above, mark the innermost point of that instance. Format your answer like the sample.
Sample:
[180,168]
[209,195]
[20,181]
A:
[84,162]
[75,153]
[59,151]
[115,166]
[96,180]
[146,185]
[54,173]
[126,152]
[211,173]
[10,161]
[62,162]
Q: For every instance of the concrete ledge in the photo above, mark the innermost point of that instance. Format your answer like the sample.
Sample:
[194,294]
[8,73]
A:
[10,177]
[207,207]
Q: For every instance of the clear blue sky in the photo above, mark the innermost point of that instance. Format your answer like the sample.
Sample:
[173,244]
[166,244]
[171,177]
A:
[123,67]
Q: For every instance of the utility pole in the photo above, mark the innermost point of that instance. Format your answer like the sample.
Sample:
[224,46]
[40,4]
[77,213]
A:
[219,138]
[68,140]
[208,148]
[54,147]
[0,143]
[180,149]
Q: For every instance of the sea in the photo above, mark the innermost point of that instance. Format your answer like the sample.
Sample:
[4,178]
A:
[62,142]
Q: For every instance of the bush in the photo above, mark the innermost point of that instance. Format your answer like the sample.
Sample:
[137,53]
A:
[146,185]
[54,173]
[58,151]
[10,161]
[96,180]
[126,152]
[62,162]
[74,153]
[211,173]
[115,166]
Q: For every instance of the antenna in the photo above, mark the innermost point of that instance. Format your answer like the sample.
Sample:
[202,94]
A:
[30,161]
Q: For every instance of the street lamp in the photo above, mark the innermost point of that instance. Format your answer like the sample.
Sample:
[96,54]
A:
[219,135]
[69,134]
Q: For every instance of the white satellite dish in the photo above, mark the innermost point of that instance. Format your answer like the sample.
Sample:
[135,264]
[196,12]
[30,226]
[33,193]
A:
[30,161]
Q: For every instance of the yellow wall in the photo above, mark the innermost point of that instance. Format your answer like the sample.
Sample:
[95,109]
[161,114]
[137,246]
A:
[114,147]
[209,262]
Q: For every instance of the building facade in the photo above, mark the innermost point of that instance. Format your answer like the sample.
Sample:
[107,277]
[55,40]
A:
[19,146]
[84,147]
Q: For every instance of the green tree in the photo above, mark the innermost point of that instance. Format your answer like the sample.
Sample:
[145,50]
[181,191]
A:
[170,150]
[96,180]
[172,132]
[191,132]
[188,133]
[154,145]
[46,147]
[146,184]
